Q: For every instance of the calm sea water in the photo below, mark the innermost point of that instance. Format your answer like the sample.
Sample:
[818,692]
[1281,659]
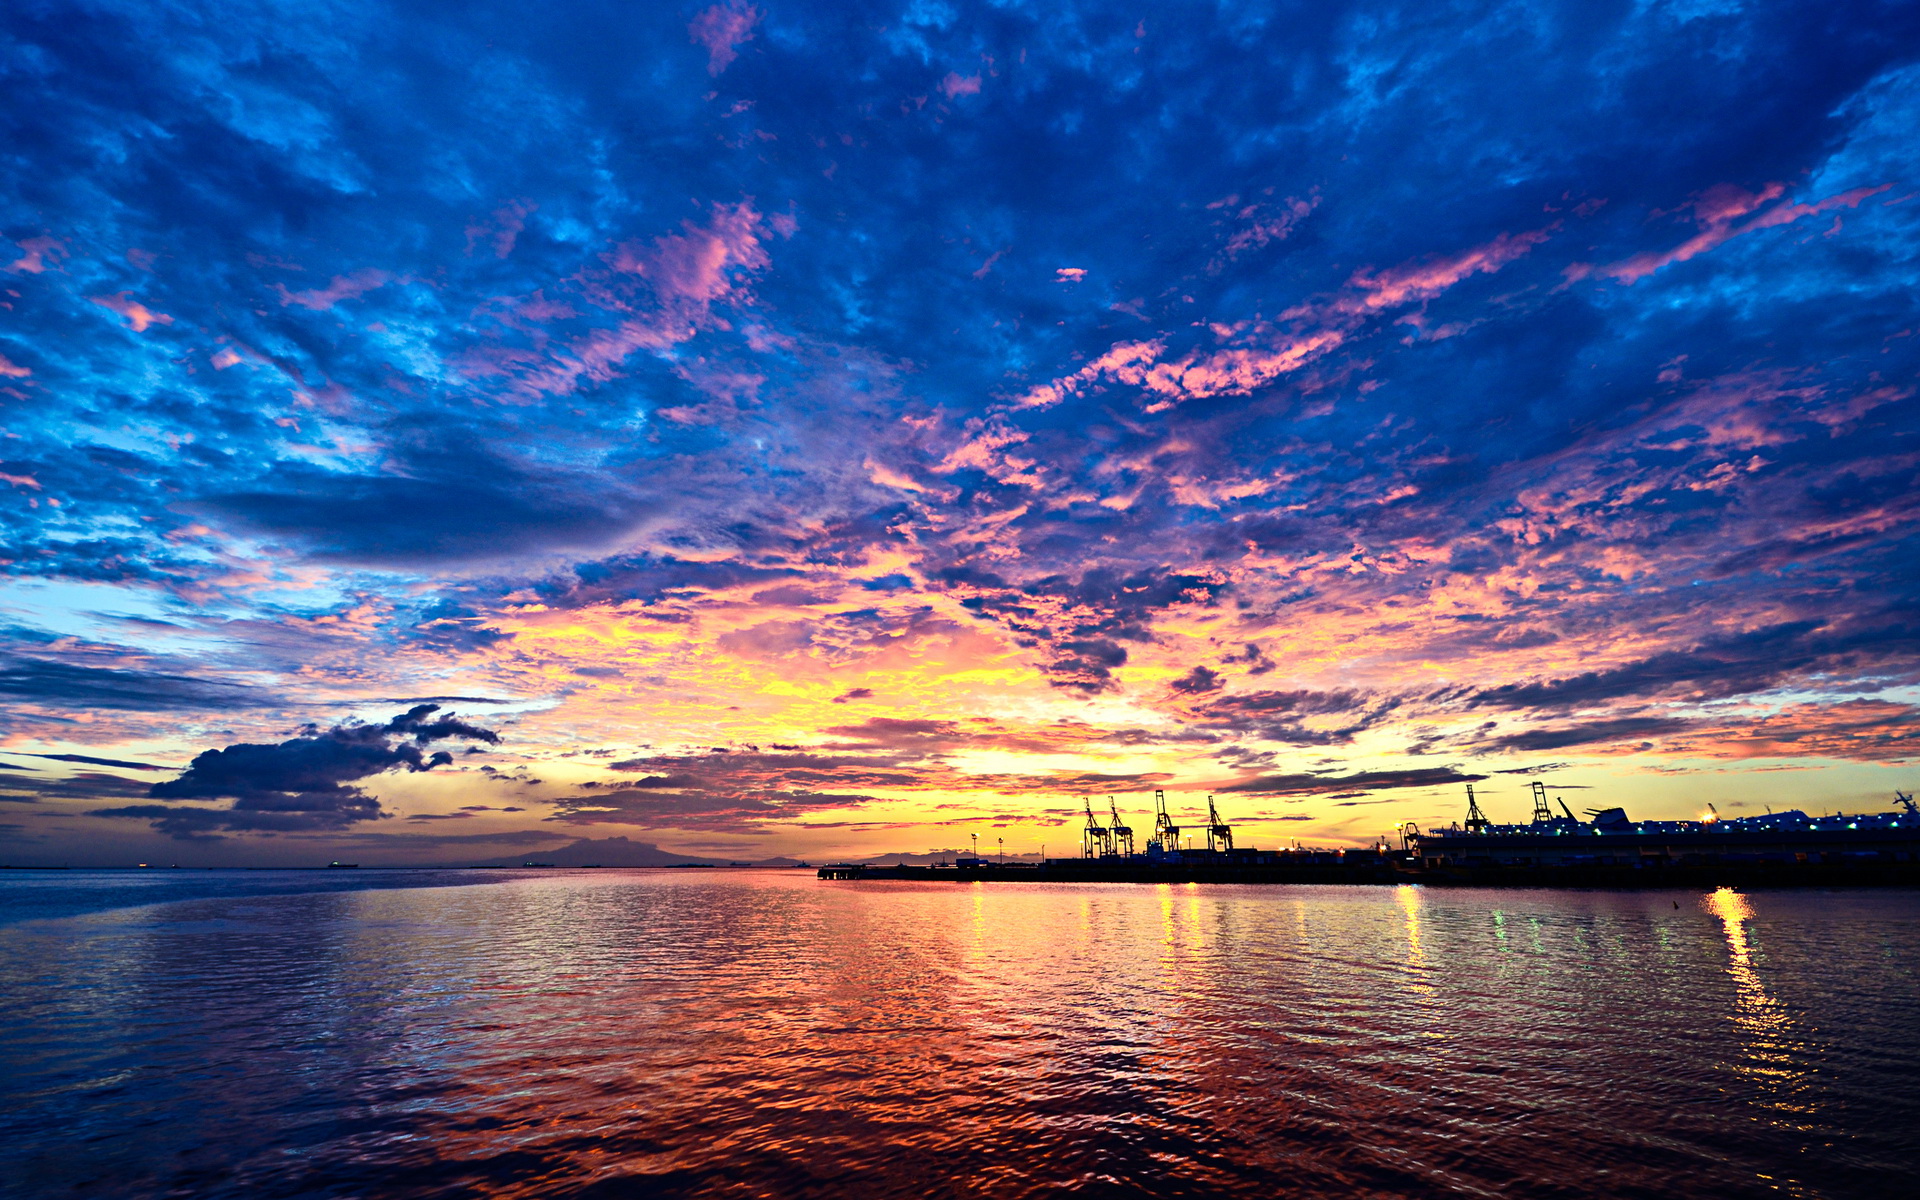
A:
[757,1033]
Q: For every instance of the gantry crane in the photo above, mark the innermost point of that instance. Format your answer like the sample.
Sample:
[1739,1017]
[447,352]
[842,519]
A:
[1094,839]
[1219,833]
[1542,811]
[1476,820]
[1164,830]
[1120,836]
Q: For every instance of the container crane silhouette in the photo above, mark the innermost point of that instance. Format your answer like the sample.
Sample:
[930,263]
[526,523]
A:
[1476,820]
[1219,833]
[1164,830]
[1120,837]
[1542,811]
[1094,841]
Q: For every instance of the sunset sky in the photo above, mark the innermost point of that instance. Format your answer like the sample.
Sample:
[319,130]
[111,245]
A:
[835,429]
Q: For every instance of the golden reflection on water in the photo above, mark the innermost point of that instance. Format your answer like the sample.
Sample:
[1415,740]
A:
[1166,915]
[769,1034]
[1409,897]
[1410,900]
[1772,1058]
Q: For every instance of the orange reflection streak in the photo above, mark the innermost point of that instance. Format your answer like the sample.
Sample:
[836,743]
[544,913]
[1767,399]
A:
[1410,900]
[978,952]
[1169,942]
[1409,897]
[1773,1050]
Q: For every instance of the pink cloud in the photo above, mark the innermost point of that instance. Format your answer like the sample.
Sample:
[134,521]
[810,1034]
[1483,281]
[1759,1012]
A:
[986,450]
[1265,226]
[41,253]
[1426,280]
[721,29]
[1257,353]
[1126,361]
[597,355]
[1240,370]
[956,84]
[688,273]
[343,287]
[1718,210]
[501,228]
[11,369]
[1071,274]
[1234,370]
[1859,730]
[987,266]
[695,266]
[137,315]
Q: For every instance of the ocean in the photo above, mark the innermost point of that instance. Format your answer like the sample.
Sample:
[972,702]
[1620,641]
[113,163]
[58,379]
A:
[759,1033]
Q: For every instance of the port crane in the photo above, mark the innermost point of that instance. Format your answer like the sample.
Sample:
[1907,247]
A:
[1095,840]
[1476,820]
[1119,837]
[1542,811]
[1219,833]
[1164,830]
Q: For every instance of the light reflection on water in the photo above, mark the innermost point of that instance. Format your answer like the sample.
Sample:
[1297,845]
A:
[1775,1053]
[767,1034]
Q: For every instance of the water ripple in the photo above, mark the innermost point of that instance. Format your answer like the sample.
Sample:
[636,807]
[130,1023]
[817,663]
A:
[766,1034]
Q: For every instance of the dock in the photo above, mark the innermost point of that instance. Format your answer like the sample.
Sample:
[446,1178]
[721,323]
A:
[1787,849]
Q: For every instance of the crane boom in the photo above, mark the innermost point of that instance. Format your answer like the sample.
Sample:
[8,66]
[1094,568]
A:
[1165,831]
[1120,836]
[1094,839]
[1219,833]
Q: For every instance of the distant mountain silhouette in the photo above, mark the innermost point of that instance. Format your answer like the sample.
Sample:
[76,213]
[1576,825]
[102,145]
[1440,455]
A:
[604,852]
[935,856]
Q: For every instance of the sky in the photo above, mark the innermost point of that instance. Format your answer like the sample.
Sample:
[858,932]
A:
[436,432]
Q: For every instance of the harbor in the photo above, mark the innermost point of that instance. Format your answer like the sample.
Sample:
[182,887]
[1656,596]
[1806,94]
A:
[1607,849]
